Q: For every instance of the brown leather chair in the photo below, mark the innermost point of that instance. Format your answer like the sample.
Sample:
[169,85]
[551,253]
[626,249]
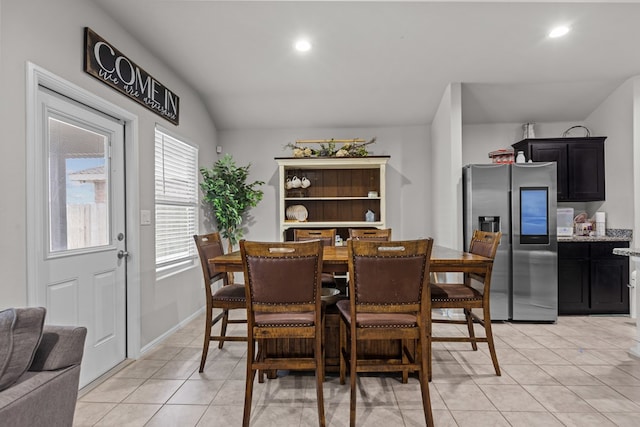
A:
[228,297]
[389,300]
[467,296]
[377,234]
[327,237]
[283,287]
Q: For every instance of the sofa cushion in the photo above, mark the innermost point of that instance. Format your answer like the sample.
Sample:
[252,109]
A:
[20,334]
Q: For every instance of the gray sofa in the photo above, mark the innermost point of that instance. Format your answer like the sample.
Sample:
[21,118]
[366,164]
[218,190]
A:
[45,394]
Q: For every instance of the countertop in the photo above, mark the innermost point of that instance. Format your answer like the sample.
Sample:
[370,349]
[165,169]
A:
[632,252]
[612,235]
[562,239]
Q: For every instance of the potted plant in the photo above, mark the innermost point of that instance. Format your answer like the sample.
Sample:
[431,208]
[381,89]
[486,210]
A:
[226,190]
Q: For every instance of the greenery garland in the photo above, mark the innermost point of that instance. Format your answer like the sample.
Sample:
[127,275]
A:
[329,148]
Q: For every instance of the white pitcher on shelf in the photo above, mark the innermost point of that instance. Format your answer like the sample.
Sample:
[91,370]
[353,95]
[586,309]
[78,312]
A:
[295,182]
[304,183]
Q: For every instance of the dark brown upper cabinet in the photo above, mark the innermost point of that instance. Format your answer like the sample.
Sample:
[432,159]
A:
[580,164]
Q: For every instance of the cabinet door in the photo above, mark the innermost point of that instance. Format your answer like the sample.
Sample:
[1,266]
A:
[554,152]
[609,279]
[609,291]
[573,278]
[586,171]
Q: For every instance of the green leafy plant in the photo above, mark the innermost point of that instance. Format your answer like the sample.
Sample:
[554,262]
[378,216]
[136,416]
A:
[226,190]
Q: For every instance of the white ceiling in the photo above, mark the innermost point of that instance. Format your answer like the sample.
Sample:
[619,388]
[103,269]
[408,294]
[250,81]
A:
[377,63]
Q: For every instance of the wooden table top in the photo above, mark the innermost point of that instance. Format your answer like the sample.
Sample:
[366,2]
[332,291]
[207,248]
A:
[335,259]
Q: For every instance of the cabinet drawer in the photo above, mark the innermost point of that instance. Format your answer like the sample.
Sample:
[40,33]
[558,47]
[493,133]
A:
[573,250]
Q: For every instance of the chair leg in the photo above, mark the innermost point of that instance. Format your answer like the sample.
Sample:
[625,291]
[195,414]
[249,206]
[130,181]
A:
[424,351]
[489,333]
[472,335]
[223,328]
[260,358]
[353,375]
[343,349]
[405,360]
[248,394]
[429,354]
[207,339]
[319,353]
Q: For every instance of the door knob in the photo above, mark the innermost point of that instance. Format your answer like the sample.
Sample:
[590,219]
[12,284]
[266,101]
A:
[122,254]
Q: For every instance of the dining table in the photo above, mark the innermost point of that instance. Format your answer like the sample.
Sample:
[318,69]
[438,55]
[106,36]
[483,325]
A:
[335,259]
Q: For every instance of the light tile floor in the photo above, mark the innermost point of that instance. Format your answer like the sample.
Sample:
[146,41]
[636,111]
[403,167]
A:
[576,372]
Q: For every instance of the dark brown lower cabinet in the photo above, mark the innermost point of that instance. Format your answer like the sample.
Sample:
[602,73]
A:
[591,280]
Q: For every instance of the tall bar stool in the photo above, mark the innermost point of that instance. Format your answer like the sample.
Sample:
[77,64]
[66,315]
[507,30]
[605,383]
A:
[283,288]
[389,300]
[467,297]
[228,297]
[327,237]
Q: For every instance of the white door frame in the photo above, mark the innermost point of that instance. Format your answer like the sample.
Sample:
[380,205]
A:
[38,76]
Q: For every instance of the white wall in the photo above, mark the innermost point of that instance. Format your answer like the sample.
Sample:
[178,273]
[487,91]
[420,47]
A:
[446,169]
[614,119]
[408,191]
[50,34]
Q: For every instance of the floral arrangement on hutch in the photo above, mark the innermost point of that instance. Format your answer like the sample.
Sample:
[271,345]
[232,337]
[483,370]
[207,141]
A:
[355,147]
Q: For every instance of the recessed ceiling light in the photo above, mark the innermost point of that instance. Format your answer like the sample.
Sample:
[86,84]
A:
[559,31]
[303,45]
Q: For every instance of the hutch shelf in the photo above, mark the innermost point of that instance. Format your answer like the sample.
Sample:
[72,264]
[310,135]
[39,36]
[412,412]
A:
[340,192]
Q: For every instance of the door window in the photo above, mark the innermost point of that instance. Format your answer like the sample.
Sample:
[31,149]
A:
[78,197]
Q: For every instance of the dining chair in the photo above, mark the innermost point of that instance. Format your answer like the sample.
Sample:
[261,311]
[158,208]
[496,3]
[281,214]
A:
[227,297]
[377,234]
[327,237]
[389,300]
[283,288]
[468,295]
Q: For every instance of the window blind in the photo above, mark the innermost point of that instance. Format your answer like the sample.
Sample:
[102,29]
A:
[176,196]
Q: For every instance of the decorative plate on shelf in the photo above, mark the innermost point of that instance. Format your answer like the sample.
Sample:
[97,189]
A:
[297,213]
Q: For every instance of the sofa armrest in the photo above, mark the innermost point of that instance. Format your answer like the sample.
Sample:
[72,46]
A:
[60,347]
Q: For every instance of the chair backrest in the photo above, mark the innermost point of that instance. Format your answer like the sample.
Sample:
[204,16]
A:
[210,246]
[282,274]
[485,243]
[389,276]
[326,236]
[376,234]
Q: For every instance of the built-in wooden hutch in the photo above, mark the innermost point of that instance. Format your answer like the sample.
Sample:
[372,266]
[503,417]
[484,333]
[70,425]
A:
[340,191]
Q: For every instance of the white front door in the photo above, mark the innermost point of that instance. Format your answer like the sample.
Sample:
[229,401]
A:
[81,266]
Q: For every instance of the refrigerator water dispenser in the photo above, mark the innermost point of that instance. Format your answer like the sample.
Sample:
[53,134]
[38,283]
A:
[489,223]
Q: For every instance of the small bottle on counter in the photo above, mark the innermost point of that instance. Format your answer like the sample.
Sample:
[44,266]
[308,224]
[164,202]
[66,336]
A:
[520,157]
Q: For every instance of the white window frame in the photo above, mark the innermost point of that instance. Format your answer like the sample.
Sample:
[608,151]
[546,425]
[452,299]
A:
[171,192]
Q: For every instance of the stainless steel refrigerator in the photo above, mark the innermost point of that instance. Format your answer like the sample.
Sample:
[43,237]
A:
[520,201]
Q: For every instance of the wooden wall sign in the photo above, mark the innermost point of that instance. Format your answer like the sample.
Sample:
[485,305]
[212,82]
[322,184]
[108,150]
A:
[110,66]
